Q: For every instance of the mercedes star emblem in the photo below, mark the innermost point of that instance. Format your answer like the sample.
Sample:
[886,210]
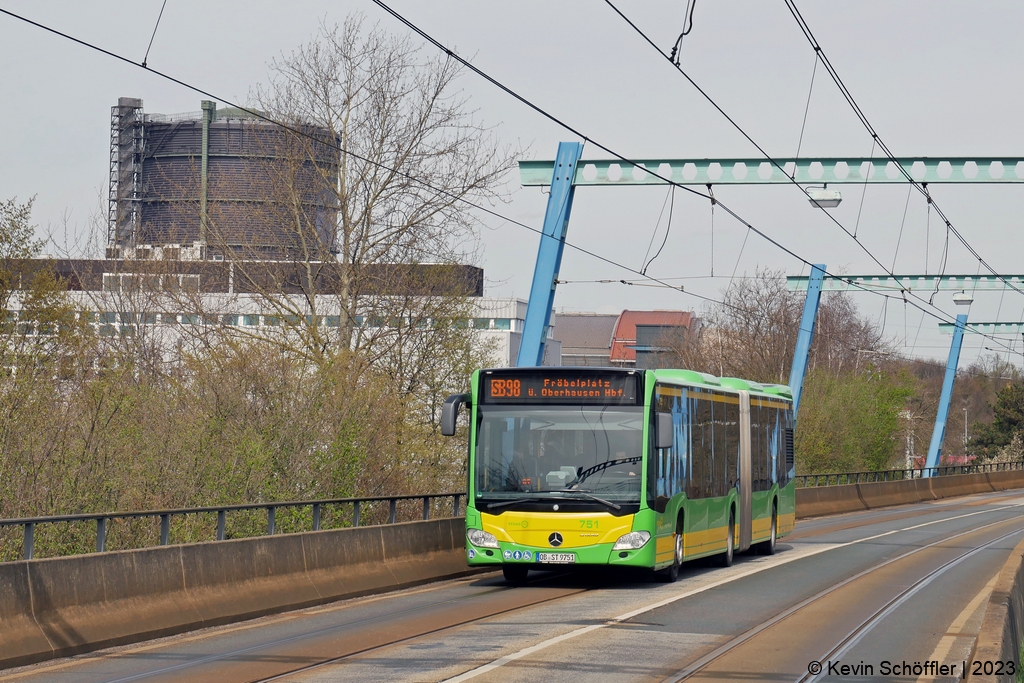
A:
[555,539]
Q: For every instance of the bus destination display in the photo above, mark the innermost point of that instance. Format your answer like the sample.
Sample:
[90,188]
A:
[614,389]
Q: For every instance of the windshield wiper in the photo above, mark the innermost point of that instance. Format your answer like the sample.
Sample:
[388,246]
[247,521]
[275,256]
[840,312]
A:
[544,499]
[594,498]
[602,466]
[513,501]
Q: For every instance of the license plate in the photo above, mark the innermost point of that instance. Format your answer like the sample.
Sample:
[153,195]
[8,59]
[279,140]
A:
[556,558]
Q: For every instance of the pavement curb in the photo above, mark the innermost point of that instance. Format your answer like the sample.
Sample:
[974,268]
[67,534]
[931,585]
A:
[1002,629]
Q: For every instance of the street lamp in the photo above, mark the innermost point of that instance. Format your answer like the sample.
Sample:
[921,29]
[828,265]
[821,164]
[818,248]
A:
[962,298]
[823,197]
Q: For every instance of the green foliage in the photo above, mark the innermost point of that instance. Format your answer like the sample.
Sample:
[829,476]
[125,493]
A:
[92,424]
[850,422]
[1008,422]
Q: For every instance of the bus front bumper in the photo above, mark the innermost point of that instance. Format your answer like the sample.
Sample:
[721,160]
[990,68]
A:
[553,558]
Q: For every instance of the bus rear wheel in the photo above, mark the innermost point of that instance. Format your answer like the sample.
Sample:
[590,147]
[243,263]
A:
[515,573]
[768,547]
[725,559]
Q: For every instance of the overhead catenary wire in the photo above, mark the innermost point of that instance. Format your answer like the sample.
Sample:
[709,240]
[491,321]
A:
[853,235]
[713,202]
[807,108]
[150,46]
[442,191]
[668,229]
[687,27]
[903,222]
[942,315]
[767,156]
[863,192]
[848,96]
[654,235]
[298,131]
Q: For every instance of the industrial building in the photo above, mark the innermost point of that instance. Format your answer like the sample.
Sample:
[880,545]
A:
[206,184]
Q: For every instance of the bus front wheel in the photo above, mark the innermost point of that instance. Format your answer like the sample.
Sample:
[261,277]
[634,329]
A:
[768,547]
[671,573]
[515,573]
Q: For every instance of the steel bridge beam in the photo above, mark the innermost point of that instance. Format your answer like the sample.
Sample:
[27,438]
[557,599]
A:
[883,283]
[549,257]
[805,336]
[985,328]
[809,171]
[939,433]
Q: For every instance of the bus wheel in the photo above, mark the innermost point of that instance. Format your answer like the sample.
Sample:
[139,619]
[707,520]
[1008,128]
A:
[515,573]
[725,559]
[671,574]
[768,547]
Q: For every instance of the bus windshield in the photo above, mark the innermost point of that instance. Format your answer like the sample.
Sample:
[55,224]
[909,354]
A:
[552,452]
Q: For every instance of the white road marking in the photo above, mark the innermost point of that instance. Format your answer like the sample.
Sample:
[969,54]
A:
[954,631]
[762,566]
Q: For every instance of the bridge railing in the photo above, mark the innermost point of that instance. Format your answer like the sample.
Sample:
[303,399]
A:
[354,511]
[838,478]
[317,508]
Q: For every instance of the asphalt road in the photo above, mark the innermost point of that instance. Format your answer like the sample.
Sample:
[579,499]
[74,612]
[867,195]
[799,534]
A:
[900,586]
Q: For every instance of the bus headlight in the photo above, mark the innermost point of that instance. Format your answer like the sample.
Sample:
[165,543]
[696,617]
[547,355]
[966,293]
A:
[634,540]
[481,539]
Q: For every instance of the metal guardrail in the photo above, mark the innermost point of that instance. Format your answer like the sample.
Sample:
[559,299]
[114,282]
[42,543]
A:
[103,519]
[29,524]
[838,478]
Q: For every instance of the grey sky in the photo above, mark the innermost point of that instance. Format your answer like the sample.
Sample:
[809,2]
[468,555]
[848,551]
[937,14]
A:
[935,78]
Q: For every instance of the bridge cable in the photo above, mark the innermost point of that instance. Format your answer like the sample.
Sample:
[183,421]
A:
[941,315]
[848,96]
[769,158]
[443,192]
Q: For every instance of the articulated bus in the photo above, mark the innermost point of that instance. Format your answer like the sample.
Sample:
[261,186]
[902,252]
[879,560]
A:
[615,467]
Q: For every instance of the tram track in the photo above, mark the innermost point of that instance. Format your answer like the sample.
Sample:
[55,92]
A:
[866,625]
[349,655]
[987,501]
[820,526]
[282,658]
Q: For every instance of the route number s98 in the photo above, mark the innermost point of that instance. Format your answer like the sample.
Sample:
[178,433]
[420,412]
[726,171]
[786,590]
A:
[506,388]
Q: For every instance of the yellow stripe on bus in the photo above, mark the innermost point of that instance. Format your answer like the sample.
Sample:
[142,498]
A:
[578,529]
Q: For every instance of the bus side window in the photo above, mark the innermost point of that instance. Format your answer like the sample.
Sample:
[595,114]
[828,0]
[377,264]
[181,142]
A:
[696,480]
[705,417]
[662,466]
[756,436]
[681,446]
[775,444]
[732,419]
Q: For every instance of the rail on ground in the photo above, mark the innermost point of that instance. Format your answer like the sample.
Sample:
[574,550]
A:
[60,606]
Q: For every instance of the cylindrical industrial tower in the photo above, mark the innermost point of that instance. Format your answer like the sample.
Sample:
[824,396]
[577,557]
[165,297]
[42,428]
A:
[215,183]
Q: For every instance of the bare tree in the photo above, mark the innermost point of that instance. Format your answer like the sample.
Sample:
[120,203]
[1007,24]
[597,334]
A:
[409,157]
[752,333]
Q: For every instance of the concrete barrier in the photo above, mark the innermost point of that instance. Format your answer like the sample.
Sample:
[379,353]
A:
[1002,629]
[834,500]
[67,605]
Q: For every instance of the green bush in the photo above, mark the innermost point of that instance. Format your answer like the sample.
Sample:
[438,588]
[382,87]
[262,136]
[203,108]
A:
[850,422]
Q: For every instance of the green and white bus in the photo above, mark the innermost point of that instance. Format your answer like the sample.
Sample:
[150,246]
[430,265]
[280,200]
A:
[638,468]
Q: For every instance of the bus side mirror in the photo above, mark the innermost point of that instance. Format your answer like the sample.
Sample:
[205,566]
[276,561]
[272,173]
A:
[663,437]
[450,413]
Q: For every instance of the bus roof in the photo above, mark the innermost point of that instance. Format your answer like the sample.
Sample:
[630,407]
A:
[734,383]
